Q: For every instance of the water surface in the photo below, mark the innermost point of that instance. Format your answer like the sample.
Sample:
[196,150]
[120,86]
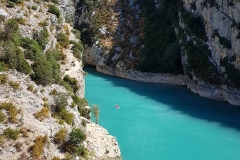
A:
[161,122]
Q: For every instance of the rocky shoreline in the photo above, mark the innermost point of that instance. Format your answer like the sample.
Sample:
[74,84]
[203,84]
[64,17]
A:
[222,93]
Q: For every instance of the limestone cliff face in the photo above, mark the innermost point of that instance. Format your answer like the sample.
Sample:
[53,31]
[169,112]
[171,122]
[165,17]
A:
[208,32]
[222,17]
[32,105]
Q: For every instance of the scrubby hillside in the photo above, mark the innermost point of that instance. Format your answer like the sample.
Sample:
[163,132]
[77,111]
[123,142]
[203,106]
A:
[43,113]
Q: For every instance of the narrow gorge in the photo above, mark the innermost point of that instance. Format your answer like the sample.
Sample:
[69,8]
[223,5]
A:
[190,43]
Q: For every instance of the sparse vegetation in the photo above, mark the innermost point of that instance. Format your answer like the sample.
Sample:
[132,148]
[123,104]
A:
[11,133]
[3,67]
[3,78]
[53,92]
[61,136]
[77,49]
[18,146]
[54,10]
[14,85]
[43,113]
[30,88]
[96,111]
[42,37]
[2,116]
[2,140]
[11,110]
[73,145]
[63,40]
[72,82]
[38,146]
[55,158]
[83,123]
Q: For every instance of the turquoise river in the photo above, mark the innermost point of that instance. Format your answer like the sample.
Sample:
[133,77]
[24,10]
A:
[161,122]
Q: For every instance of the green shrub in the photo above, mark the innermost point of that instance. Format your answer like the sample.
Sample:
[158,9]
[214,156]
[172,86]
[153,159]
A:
[66,116]
[198,63]
[159,37]
[14,85]
[76,33]
[12,24]
[76,137]
[34,7]
[54,10]
[22,65]
[3,78]
[11,4]
[31,47]
[10,54]
[42,70]
[82,102]
[14,57]
[61,136]
[67,86]
[11,109]
[54,1]
[55,53]
[77,49]
[72,81]
[17,1]
[3,67]
[83,123]
[81,151]
[51,57]
[60,101]
[11,133]
[42,37]
[63,40]
[2,116]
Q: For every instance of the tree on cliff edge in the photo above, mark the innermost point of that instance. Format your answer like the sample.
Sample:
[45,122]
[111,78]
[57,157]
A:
[96,111]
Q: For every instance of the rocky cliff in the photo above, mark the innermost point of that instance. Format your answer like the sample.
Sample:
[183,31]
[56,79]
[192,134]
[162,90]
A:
[43,113]
[197,39]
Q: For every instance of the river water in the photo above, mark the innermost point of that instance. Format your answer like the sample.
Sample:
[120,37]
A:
[161,122]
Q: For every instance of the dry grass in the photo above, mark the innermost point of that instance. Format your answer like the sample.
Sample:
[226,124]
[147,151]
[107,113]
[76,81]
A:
[3,78]
[38,146]
[11,109]
[30,88]
[43,113]
[24,132]
[61,136]
[14,85]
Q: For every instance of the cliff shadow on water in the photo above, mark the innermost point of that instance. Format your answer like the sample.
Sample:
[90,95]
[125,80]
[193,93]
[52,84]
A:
[180,99]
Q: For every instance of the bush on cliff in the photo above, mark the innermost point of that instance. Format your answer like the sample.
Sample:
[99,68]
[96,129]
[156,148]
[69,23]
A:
[54,10]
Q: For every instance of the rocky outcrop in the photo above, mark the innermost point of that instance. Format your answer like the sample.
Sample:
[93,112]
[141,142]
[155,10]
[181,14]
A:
[105,147]
[220,24]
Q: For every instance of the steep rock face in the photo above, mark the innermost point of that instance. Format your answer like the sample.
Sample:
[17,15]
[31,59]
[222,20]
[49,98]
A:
[222,17]
[208,35]
[30,98]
